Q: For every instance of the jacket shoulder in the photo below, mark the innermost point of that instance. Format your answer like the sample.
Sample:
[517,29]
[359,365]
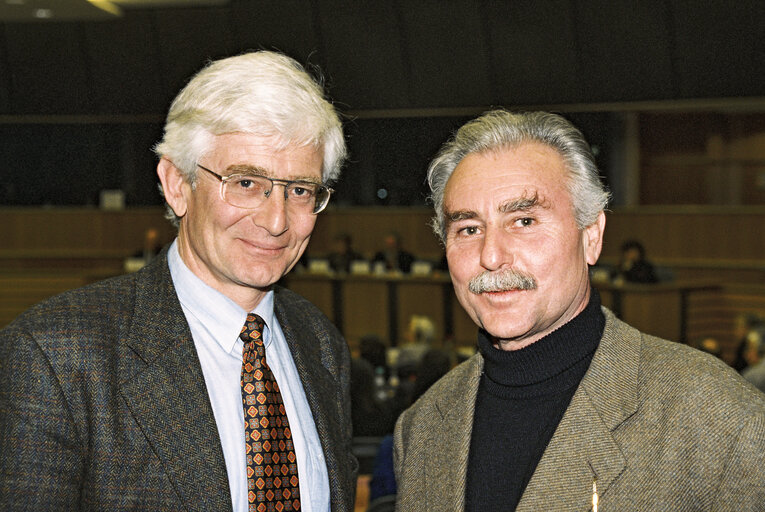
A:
[298,309]
[677,371]
[86,308]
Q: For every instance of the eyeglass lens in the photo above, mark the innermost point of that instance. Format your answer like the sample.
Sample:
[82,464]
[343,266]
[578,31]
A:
[248,191]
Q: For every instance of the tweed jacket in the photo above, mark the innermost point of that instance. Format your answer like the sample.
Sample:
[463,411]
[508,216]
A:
[662,427]
[103,404]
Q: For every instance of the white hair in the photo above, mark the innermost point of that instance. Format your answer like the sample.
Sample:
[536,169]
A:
[499,129]
[262,93]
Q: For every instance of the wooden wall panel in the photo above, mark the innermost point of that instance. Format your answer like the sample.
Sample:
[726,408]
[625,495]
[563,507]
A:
[366,310]
[727,235]
[695,241]
[20,291]
[723,245]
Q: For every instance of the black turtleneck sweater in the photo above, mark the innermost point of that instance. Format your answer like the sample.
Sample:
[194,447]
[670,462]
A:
[521,399]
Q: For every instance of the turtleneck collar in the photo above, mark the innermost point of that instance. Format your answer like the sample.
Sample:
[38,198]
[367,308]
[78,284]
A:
[564,354]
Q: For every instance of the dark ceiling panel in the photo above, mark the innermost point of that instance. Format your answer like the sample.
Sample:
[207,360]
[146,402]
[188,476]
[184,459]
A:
[363,54]
[533,53]
[283,25]
[720,48]
[124,65]
[624,50]
[186,40]
[5,73]
[447,53]
[48,72]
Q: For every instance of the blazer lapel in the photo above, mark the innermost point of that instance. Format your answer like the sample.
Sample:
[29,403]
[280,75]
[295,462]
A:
[446,474]
[320,388]
[164,388]
[583,447]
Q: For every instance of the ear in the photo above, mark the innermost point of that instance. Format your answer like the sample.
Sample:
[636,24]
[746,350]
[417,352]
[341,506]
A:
[174,186]
[593,238]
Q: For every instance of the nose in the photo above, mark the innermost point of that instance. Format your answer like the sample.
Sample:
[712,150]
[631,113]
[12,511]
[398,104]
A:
[496,249]
[272,213]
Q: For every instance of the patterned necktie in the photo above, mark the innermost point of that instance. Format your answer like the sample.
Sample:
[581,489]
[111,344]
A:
[272,475]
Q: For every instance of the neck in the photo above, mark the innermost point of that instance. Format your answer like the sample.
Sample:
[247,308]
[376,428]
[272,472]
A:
[246,297]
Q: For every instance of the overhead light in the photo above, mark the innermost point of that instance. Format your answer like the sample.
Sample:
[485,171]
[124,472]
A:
[106,5]
[43,14]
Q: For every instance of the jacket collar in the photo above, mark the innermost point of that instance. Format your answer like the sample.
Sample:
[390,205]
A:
[322,392]
[163,386]
[582,447]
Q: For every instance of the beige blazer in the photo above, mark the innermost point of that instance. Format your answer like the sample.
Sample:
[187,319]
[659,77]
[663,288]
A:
[663,427]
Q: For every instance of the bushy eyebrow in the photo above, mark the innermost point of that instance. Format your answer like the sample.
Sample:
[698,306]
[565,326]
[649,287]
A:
[458,215]
[451,217]
[522,204]
[261,171]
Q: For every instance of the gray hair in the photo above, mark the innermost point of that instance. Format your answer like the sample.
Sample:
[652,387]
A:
[262,93]
[500,129]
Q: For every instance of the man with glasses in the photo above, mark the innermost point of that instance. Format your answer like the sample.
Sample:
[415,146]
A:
[564,408]
[196,383]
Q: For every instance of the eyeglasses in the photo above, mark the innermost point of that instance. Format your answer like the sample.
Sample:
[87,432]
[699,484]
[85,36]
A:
[251,190]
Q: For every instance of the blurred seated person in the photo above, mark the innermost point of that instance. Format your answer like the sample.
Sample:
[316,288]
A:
[407,358]
[342,253]
[755,356]
[633,265]
[709,345]
[374,350]
[745,323]
[370,416]
[151,247]
[393,256]
[433,365]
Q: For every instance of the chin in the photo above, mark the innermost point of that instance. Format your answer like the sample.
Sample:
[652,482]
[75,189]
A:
[505,330]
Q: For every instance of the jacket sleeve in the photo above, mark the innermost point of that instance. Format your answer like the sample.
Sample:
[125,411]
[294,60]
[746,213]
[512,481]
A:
[41,465]
[742,486]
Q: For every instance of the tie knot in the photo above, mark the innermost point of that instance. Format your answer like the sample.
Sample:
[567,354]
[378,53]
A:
[252,330]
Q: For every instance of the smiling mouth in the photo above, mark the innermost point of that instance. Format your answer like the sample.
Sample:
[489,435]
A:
[262,247]
[500,293]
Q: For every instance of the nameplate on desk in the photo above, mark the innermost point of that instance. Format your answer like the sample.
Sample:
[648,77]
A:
[360,267]
[319,266]
[421,268]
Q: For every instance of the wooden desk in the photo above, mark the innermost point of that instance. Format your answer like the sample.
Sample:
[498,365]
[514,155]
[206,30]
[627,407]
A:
[659,309]
[383,305]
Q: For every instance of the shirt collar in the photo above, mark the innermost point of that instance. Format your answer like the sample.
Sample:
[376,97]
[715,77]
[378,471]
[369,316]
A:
[221,316]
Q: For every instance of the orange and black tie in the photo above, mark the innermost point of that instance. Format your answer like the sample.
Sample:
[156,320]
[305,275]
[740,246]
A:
[272,474]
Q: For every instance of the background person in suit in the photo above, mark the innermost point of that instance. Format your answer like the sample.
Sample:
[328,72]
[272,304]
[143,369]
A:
[125,395]
[633,266]
[393,257]
[563,400]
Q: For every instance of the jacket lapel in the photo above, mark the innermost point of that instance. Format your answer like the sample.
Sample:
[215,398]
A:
[322,393]
[164,388]
[451,433]
[583,446]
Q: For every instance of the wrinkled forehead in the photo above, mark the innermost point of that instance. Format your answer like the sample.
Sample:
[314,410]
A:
[517,174]
[247,153]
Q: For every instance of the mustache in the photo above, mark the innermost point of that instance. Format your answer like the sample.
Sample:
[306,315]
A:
[502,281]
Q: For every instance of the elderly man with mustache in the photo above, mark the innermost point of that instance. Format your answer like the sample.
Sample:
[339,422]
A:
[564,407]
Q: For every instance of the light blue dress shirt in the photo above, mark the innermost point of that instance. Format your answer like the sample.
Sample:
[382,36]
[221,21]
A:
[215,322]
